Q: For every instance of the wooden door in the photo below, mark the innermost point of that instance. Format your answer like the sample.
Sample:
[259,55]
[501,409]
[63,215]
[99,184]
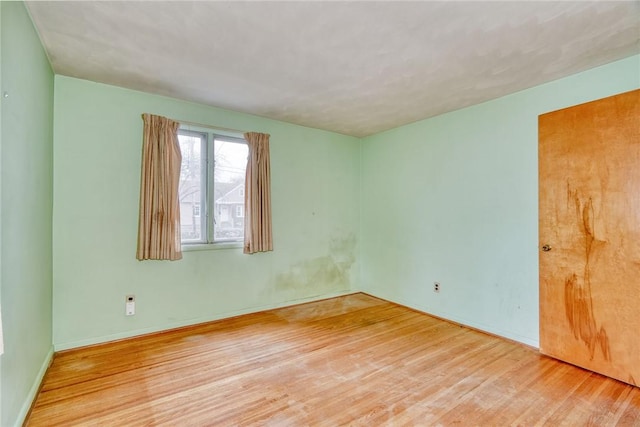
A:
[589,184]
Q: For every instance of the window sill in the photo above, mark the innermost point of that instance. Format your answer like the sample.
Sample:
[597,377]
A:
[189,247]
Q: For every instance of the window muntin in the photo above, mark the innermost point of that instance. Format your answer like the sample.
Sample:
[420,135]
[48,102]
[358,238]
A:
[211,186]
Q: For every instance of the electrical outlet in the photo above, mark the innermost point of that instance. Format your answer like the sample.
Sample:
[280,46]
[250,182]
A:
[436,287]
[130,305]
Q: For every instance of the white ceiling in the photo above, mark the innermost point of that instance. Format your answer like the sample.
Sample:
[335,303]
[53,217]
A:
[356,68]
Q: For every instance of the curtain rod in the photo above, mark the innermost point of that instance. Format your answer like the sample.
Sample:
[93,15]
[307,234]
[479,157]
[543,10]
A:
[210,126]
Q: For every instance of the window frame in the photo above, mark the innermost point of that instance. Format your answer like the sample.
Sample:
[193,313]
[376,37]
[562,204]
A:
[203,136]
[208,137]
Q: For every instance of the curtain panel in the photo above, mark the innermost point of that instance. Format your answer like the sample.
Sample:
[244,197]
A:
[257,195]
[159,220]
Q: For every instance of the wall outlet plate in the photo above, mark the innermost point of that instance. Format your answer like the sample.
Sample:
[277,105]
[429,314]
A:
[130,305]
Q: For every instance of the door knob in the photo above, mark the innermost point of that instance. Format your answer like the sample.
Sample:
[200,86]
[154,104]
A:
[546,248]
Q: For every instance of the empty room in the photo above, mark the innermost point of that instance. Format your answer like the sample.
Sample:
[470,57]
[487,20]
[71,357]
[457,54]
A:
[307,213]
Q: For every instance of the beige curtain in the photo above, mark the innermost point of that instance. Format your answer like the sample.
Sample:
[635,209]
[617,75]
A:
[159,221]
[257,195]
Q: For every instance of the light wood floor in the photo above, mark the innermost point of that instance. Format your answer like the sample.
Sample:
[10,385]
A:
[354,360]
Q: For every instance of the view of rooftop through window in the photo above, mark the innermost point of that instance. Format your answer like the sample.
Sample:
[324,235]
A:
[211,186]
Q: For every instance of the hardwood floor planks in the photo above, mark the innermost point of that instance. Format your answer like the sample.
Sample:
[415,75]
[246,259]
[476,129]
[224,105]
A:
[354,360]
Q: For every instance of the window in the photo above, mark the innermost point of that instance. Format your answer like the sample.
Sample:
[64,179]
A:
[211,185]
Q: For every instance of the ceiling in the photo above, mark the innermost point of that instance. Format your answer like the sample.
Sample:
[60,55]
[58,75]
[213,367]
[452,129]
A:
[356,68]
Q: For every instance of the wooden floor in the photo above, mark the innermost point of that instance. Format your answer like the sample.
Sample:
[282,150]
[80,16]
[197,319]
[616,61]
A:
[354,360]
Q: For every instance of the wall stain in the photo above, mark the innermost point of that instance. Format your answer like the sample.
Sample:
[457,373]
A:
[328,272]
[577,293]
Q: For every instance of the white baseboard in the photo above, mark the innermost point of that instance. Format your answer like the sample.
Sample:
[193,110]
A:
[490,329]
[130,334]
[35,388]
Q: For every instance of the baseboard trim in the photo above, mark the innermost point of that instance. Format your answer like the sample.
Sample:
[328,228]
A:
[25,411]
[526,342]
[74,345]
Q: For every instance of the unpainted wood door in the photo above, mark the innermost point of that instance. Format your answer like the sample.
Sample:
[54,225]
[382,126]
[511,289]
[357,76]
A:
[589,230]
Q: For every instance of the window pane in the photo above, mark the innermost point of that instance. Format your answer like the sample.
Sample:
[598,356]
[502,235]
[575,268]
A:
[230,164]
[190,190]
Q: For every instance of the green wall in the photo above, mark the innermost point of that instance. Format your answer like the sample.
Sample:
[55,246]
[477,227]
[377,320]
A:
[1,337]
[26,209]
[97,151]
[454,199]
